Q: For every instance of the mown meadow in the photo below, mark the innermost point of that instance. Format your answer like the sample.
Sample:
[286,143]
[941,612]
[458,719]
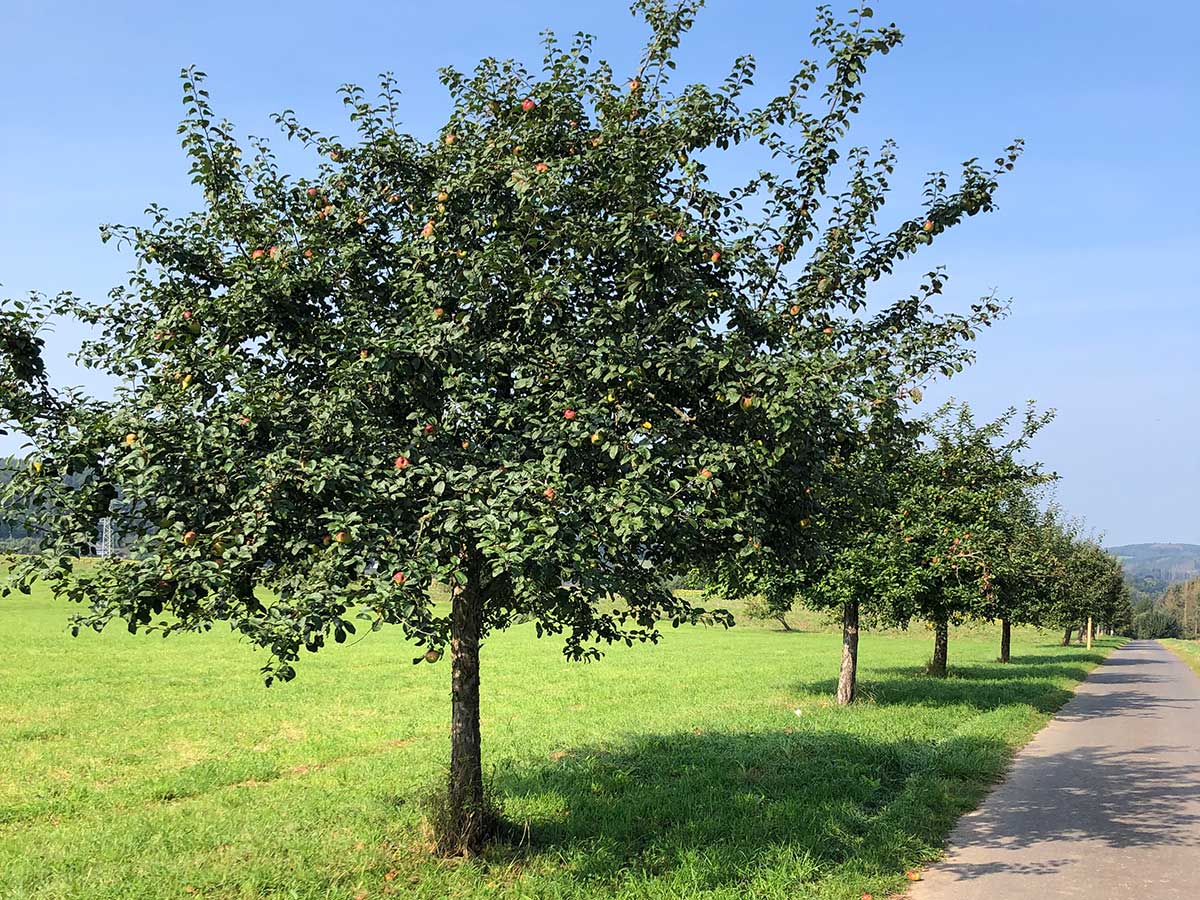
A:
[714,765]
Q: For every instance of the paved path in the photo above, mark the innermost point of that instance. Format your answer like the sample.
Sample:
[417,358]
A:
[1104,804]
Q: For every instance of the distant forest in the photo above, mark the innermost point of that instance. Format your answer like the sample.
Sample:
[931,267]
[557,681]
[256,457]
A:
[1152,568]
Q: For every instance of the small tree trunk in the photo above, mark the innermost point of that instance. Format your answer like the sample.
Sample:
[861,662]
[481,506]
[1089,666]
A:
[782,618]
[1089,633]
[848,677]
[941,643]
[1067,636]
[1005,640]
[466,826]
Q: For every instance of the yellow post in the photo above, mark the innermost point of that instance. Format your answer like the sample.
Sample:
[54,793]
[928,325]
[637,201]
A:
[1089,636]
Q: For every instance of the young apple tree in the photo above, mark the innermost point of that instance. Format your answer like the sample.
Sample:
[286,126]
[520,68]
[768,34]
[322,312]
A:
[954,517]
[539,357]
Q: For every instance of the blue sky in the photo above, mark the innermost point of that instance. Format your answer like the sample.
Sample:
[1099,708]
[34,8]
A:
[1097,239]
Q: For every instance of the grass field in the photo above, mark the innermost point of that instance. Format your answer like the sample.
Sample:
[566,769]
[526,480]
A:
[711,766]
[1188,651]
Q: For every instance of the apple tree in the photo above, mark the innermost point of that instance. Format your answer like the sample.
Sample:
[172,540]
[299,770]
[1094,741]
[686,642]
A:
[956,515]
[540,356]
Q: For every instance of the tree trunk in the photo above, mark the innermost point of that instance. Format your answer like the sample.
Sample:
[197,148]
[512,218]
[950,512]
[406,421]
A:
[941,642]
[467,822]
[1005,640]
[848,677]
[1067,636]
[1089,633]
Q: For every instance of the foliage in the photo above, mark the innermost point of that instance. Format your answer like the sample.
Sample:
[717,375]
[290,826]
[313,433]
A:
[1092,585]
[1182,601]
[541,348]
[24,388]
[1156,623]
[759,609]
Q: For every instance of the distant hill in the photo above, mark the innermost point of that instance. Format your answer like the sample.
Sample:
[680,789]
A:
[1151,567]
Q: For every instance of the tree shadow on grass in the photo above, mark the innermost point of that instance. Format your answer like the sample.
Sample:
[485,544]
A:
[977,687]
[722,809]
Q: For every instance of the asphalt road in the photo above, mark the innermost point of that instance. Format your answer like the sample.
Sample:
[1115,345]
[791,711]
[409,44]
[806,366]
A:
[1104,804]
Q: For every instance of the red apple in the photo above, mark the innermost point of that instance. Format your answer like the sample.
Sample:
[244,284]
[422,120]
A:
[312,192]
[402,462]
[451,138]
[568,414]
[706,473]
[399,578]
[549,493]
[716,256]
[541,167]
[341,537]
[527,104]
[258,254]
[187,313]
[427,231]
[928,226]
[308,254]
[438,312]
[189,538]
[634,85]
[679,235]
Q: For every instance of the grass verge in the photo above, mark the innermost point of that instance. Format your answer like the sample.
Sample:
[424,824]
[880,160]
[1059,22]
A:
[1188,651]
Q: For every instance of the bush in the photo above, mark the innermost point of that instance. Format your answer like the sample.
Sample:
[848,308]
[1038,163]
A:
[1156,624]
[758,609]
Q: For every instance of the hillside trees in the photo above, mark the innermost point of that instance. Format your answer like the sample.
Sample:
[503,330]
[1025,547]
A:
[1182,601]
[541,359]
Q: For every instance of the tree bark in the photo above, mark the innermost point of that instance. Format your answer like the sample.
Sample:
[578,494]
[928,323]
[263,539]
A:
[1089,633]
[467,825]
[848,677]
[1005,640]
[941,642]
[1067,636]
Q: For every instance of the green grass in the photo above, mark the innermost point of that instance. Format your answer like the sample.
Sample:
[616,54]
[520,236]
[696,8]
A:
[713,765]
[1188,651]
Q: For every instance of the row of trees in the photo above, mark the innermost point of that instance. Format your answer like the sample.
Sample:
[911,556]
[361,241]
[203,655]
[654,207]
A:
[545,359]
[946,523]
